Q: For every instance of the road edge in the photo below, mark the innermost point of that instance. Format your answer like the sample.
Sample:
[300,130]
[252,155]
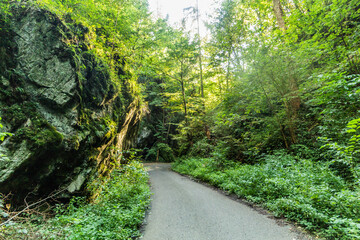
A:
[281,221]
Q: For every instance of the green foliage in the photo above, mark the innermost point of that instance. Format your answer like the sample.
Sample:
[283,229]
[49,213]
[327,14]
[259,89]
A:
[266,89]
[202,148]
[227,32]
[3,135]
[117,214]
[335,100]
[160,152]
[3,157]
[349,153]
[301,190]
[287,87]
[5,11]
[116,33]
[114,38]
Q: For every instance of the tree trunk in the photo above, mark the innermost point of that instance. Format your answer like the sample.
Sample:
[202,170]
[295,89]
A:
[228,69]
[291,118]
[200,57]
[295,100]
[294,107]
[183,91]
[184,98]
[157,155]
[279,14]
[276,117]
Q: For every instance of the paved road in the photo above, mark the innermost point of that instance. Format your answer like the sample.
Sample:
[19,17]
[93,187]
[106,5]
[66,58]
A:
[185,210]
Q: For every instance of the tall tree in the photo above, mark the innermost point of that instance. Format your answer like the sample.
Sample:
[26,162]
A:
[200,50]
[180,56]
[227,31]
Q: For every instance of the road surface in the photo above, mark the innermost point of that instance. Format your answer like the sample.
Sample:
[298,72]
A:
[182,209]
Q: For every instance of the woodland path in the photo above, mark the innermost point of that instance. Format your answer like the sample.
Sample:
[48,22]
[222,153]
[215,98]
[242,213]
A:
[182,209]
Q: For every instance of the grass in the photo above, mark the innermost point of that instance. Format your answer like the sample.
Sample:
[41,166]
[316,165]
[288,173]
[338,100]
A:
[301,190]
[117,213]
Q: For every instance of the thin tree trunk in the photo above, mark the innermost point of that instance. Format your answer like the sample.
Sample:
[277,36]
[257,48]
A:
[277,119]
[200,56]
[228,69]
[183,92]
[295,100]
[157,155]
[279,14]
[207,132]
[291,119]
[168,132]
[292,103]
[184,98]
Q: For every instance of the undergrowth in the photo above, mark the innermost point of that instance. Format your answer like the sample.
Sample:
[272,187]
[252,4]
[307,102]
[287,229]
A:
[301,190]
[117,213]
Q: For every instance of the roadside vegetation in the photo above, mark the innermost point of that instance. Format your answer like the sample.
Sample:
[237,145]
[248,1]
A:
[301,190]
[284,131]
[265,107]
[117,213]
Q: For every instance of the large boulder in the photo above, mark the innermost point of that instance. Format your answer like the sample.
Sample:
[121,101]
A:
[58,101]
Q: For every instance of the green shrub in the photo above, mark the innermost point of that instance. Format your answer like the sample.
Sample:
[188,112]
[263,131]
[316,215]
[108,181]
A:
[347,155]
[161,152]
[3,135]
[117,213]
[201,148]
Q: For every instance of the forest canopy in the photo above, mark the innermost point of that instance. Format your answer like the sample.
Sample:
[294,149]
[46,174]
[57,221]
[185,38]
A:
[275,85]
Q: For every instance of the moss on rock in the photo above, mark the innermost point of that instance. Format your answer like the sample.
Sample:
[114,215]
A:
[60,102]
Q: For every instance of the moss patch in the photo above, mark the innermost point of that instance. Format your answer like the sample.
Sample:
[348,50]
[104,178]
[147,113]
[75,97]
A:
[17,114]
[40,134]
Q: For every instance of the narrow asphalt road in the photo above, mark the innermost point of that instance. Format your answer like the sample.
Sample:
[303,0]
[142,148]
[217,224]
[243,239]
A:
[182,209]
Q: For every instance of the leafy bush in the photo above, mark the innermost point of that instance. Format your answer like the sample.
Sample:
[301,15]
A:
[347,155]
[335,102]
[117,214]
[3,134]
[201,148]
[160,152]
[298,189]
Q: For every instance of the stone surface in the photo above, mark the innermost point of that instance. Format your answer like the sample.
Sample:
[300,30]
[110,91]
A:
[52,78]
[59,116]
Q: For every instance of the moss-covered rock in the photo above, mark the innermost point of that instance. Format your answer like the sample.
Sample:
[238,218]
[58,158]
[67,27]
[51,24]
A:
[58,101]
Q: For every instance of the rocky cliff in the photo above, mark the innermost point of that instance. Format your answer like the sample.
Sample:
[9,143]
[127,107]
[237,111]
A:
[60,104]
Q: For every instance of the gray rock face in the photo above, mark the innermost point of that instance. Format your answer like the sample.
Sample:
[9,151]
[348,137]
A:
[53,80]
[50,78]
[58,118]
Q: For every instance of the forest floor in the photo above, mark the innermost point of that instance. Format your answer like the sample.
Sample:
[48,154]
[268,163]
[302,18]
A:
[182,209]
